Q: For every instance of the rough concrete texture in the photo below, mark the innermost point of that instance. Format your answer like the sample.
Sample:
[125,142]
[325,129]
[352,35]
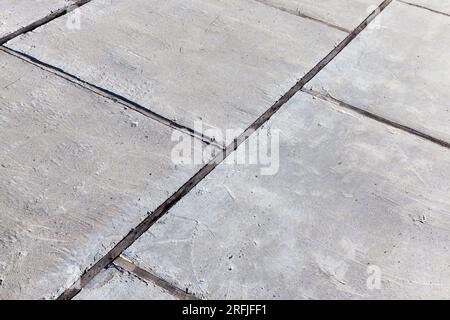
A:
[222,61]
[354,201]
[437,5]
[15,14]
[397,73]
[78,172]
[112,284]
[346,14]
[352,197]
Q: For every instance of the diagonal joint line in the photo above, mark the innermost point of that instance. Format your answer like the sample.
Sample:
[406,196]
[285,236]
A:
[424,7]
[373,116]
[39,23]
[147,276]
[110,95]
[163,209]
[302,15]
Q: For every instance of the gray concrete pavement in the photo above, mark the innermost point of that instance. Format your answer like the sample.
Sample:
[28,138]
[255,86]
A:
[15,14]
[222,62]
[112,284]
[437,5]
[355,205]
[399,74]
[78,172]
[345,14]
[352,197]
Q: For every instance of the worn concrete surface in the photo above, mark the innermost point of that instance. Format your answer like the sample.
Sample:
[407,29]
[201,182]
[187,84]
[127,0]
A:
[78,172]
[351,194]
[224,62]
[112,284]
[346,14]
[353,198]
[15,14]
[438,5]
[391,71]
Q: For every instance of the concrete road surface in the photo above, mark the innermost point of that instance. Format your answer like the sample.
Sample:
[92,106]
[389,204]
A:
[238,149]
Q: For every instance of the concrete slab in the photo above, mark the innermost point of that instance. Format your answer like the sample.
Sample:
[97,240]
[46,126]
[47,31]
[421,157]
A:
[346,14]
[354,202]
[438,5]
[222,61]
[77,173]
[399,74]
[15,14]
[112,284]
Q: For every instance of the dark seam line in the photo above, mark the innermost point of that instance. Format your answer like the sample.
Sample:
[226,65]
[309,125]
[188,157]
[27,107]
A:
[304,16]
[409,130]
[110,95]
[147,277]
[425,8]
[52,16]
[153,217]
[84,84]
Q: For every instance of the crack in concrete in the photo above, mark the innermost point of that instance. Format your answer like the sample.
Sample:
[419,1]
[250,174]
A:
[163,209]
[373,116]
